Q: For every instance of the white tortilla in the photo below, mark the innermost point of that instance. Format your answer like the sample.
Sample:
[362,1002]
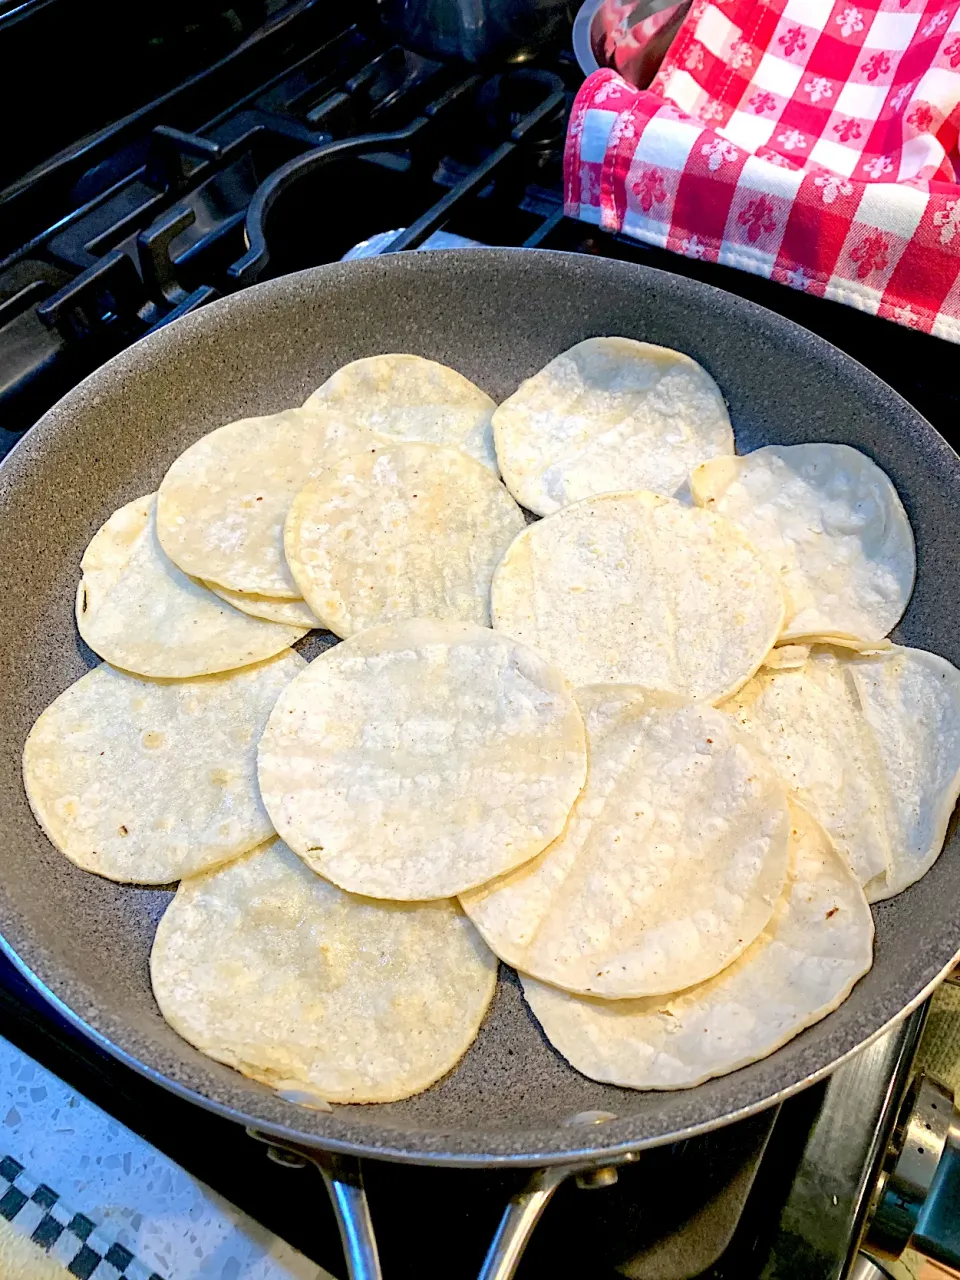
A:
[816,945]
[833,523]
[222,504]
[911,708]
[808,723]
[670,864]
[294,613]
[150,780]
[787,657]
[137,610]
[609,414]
[404,397]
[870,744]
[317,993]
[418,760]
[631,588]
[408,531]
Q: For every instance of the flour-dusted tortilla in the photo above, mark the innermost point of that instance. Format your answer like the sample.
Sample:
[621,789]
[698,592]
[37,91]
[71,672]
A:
[609,414]
[420,759]
[870,744]
[294,613]
[222,504]
[408,531]
[633,588]
[320,994]
[669,866]
[406,397]
[150,780]
[832,522]
[816,945]
[137,610]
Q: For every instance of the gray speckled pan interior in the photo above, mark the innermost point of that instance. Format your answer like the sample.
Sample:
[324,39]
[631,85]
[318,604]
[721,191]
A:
[497,316]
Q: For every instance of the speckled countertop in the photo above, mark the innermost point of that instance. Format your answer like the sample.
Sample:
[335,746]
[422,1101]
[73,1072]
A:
[174,1225]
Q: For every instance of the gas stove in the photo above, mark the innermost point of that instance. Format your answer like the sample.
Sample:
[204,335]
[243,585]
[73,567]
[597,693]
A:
[210,146]
[213,147]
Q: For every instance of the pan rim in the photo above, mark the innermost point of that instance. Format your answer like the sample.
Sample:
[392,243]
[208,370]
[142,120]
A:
[474,1147]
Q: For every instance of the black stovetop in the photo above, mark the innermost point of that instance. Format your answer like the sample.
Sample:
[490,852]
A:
[177,161]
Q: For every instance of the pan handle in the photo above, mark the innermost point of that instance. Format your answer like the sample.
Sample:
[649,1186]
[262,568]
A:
[519,1219]
[344,1180]
[345,1185]
[343,1177]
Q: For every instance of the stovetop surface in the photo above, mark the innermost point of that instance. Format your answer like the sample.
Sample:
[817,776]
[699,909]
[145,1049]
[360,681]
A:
[131,205]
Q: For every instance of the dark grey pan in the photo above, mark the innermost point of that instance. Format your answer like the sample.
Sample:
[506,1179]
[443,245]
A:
[497,316]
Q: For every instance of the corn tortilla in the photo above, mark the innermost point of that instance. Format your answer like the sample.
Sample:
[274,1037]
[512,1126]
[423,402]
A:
[320,994]
[833,523]
[609,414]
[405,397]
[670,864]
[420,759]
[222,504]
[632,588]
[818,942]
[407,531]
[138,611]
[150,780]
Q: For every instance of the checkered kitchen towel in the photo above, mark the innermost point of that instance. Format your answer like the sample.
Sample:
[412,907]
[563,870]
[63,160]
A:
[811,142]
[86,1251]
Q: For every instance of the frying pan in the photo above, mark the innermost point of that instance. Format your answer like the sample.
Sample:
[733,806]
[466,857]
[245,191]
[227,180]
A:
[497,316]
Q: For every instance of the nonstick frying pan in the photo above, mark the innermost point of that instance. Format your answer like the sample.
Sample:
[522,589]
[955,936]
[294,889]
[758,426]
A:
[497,316]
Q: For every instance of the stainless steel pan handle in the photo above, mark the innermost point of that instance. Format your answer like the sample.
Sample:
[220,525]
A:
[344,1181]
[519,1219]
[343,1178]
[513,1234]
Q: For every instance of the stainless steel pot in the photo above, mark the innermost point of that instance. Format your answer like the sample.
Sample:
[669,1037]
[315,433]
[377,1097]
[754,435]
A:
[640,50]
[478,30]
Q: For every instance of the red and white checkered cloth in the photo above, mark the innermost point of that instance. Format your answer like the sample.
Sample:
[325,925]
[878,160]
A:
[811,142]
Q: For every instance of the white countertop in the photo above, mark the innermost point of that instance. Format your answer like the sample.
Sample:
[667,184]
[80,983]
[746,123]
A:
[136,1195]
